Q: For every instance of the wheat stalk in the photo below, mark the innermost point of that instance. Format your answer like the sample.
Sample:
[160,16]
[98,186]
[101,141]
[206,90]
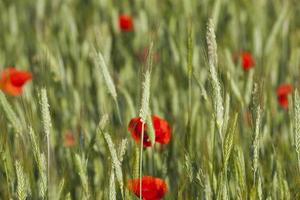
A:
[226,112]
[190,74]
[145,108]
[122,150]
[41,164]
[276,28]
[21,188]
[240,175]
[112,189]
[150,130]
[287,193]
[213,63]
[208,189]
[297,125]
[100,62]
[188,168]
[34,144]
[145,111]
[259,189]
[81,165]
[68,196]
[255,144]
[60,189]
[115,160]
[227,147]
[10,114]
[136,162]
[47,124]
[228,141]
[43,183]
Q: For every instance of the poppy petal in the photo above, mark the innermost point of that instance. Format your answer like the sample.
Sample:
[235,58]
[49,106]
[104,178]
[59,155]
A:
[162,130]
[125,23]
[283,101]
[19,78]
[12,90]
[282,94]
[247,60]
[161,127]
[135,128]
[12,80]
[69,139]
[152,188]
[284,89]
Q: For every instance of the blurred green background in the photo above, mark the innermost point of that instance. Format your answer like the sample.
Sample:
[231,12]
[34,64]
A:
[55,40]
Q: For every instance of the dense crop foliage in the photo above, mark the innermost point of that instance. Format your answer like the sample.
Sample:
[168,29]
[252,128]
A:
[197,96]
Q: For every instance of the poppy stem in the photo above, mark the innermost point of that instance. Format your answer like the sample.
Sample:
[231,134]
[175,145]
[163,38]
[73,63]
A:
[141,160]
[48,162]
[190,74]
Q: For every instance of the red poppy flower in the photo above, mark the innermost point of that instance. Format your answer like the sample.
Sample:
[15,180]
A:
[161,128]
[12,80]
[282,94]
[247,60]
[126,23]
[152,188]
[69,139]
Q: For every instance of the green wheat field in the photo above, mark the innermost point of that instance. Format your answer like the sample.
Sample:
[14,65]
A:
[222,74]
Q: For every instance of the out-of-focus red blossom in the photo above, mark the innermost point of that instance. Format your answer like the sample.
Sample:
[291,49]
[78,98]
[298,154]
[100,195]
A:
[152,188]
[69,139]
[247,118]
[143,55]
[12,80]
[126,23]
[247,60]
[282,94]
[161,128]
